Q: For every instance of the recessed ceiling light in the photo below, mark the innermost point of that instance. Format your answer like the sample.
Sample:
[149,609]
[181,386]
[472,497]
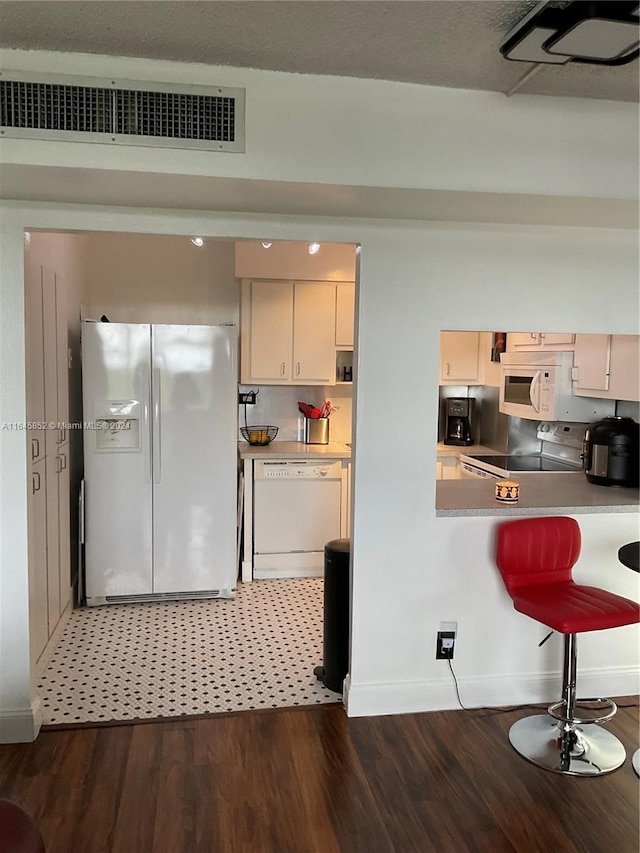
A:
[313,248]
[267,244]
[197,241]
[358,249]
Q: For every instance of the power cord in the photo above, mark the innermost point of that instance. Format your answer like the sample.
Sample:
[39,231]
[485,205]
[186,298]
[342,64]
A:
[514,707]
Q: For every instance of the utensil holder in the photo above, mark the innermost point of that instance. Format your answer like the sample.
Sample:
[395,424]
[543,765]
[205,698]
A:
[316,430]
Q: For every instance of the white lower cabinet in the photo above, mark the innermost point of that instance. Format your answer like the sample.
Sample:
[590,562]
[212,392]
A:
[37,556]
[448,467]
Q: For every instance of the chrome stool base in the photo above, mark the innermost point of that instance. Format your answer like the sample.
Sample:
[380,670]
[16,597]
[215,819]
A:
[593,752]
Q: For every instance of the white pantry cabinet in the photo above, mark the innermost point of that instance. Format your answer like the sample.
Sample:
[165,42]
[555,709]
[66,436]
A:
[47,395]
[288,333]
[459,358]
[607,367]
[534,341]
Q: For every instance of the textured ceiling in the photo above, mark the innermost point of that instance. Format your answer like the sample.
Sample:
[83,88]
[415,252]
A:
[434,42]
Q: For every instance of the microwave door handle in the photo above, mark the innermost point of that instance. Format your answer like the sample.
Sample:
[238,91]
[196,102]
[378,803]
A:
[534,392]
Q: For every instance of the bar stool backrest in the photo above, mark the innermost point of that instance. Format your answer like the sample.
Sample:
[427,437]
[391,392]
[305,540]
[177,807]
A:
[536,551]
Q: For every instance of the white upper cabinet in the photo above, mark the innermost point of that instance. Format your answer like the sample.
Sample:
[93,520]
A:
[314,319]
[523,341]
[269,328]
[607,366]
[459,358]
[288,333]
[345,314]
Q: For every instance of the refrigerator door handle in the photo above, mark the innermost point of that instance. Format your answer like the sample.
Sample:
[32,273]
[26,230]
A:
[147,444]
[157,442]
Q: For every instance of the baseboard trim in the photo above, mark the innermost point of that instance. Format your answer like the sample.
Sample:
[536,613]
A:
[407,697]
[21,725]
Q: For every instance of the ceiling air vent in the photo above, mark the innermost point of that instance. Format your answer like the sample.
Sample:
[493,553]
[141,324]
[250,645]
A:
[123,112]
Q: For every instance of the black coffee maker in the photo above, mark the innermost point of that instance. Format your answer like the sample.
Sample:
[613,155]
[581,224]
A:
[458,421]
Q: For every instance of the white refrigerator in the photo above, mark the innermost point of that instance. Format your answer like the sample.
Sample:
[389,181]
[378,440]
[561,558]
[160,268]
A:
[160,461]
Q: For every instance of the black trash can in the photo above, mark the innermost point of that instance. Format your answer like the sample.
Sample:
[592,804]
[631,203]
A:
[335,647]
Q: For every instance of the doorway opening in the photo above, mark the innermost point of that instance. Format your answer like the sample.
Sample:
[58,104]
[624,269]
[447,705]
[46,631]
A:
[160,658]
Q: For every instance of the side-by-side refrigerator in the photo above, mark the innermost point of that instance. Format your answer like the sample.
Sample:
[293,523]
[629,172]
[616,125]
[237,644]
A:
[160,461]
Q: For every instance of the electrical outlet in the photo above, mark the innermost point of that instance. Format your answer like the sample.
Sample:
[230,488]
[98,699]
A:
[444,645]
[247,397]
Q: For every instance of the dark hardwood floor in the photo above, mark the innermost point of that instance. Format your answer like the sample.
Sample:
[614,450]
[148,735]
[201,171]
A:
[292,781]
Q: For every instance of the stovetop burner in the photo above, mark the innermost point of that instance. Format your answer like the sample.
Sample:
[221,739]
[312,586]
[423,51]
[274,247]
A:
[527,463]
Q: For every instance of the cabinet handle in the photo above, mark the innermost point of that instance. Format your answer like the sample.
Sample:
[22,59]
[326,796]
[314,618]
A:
[58,465]
[35,448]
[297,368]
[63,461]
[35,482]
[448,369]
[282,369]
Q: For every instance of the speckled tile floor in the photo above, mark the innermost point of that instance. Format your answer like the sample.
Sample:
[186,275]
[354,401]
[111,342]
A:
[131,661]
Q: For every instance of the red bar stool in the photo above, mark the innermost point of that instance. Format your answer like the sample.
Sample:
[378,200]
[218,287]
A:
[18,832]
[535,557]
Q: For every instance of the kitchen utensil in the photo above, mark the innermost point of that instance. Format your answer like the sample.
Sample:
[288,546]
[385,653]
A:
[309,411]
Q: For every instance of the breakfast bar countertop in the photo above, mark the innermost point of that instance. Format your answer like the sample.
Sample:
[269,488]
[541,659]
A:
[540,494]
[294,450]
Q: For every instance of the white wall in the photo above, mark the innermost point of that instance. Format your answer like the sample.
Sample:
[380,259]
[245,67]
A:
[330,130]
[413,570]
[142,278]
[410,569]
[292,261]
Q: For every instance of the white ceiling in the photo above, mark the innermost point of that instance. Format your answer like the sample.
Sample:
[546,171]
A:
[450,43]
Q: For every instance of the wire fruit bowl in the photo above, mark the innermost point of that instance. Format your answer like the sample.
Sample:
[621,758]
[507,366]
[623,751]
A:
[259,435]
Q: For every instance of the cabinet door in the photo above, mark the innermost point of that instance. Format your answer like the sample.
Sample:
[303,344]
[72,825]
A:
[64,526]
[314,334]
[523,340]
[539,340]
[459,357]
[345,314]
[271,336]
[37,550]
[34,359]
[624,383]
[53,539]
[62,352]
[591,363]
[50,339]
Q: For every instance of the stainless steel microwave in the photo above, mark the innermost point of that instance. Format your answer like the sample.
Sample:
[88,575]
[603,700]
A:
[537,386]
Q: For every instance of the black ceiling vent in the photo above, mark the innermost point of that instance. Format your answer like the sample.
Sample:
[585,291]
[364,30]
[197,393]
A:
[121,112]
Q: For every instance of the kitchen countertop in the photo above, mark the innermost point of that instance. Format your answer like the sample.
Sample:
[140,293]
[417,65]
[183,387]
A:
[457,450]
[540,494]
[294,450]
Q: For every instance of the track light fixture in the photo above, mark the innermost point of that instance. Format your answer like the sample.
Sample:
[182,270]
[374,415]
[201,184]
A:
[605,32]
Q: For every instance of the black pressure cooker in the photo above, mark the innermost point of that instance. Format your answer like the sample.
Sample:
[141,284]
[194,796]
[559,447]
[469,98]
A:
[611,452]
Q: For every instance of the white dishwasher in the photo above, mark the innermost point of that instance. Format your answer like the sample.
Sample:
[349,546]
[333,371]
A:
[296,511]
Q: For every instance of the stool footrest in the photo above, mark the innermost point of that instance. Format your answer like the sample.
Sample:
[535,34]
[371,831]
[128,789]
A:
[552,710]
